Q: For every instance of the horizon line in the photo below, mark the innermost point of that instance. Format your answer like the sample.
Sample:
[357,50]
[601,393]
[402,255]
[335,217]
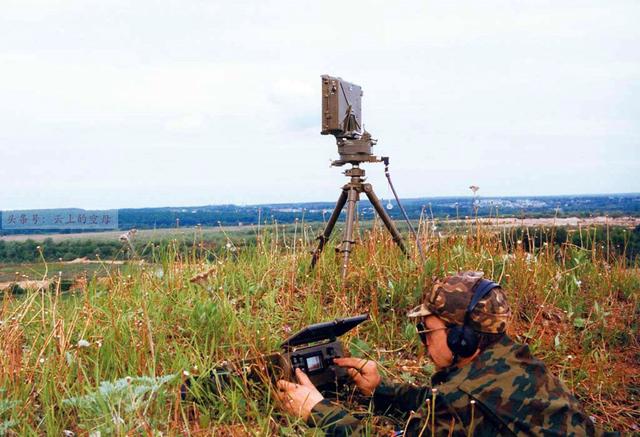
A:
[333,201]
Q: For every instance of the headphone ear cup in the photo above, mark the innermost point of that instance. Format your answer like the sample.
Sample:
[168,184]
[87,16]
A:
[468,343]
[454,338]
[462,340]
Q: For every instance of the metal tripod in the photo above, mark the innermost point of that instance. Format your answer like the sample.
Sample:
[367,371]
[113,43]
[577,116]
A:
[350,196]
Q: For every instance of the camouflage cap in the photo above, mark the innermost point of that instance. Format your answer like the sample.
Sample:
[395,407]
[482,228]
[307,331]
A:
[450,298]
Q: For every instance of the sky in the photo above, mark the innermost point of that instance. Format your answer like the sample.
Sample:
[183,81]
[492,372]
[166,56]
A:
[113,104]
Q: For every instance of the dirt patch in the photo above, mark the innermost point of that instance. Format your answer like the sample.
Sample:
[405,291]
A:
[26,285]
[85,260]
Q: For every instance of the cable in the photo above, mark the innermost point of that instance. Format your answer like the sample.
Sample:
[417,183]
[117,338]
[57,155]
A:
[385,159]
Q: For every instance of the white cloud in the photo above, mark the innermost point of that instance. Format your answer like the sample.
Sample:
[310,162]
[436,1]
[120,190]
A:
[188,123]
[157,96]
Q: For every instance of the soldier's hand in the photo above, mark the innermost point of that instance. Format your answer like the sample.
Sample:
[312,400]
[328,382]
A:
[363,372]
[298,399]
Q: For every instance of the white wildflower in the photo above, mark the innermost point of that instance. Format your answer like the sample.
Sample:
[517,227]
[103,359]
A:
[83,343]
[529,259]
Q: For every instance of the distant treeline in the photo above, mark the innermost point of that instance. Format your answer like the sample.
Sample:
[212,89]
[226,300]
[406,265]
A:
[440,207]
[67,250]
[618,241]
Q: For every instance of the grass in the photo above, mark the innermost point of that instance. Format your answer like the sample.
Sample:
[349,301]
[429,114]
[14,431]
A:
[111,358]
[31,271]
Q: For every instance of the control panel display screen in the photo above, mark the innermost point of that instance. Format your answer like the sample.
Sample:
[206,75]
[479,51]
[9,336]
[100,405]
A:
[314,363]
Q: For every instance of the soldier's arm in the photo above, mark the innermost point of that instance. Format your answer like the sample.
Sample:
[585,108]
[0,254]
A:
[334,420]
[387,397]
[394,398]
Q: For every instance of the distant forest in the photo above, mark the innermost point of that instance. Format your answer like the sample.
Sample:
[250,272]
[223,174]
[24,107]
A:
[438,207]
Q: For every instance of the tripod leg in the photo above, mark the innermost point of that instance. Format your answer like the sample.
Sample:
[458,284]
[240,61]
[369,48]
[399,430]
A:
[368,189]
[347,236]
[329,227]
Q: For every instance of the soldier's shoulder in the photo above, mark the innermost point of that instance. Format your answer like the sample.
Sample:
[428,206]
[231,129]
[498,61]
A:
[501,359]
[520,390]
[511,367]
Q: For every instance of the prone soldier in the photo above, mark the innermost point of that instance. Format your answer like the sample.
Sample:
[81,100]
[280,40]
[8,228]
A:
[485,383]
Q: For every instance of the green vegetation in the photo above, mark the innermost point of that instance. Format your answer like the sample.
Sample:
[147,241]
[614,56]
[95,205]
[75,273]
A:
[65,250]
[613,242]
[617,241]
[67,271]
[111,357]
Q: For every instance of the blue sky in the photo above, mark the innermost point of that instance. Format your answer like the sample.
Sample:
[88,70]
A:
[110,104]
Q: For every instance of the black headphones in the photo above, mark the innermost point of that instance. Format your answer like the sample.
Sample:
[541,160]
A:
[463,340]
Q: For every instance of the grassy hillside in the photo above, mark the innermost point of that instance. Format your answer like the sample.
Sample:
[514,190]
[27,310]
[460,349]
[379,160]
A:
[111,358]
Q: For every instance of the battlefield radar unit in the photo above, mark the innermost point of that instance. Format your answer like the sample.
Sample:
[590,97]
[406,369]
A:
[342,118]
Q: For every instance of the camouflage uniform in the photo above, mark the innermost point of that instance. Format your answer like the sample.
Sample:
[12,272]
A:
[503,391]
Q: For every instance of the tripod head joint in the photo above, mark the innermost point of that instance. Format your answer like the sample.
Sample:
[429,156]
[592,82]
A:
[354,172]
